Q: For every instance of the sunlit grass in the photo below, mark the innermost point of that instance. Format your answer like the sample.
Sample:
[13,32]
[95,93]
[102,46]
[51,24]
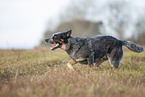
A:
[43,73]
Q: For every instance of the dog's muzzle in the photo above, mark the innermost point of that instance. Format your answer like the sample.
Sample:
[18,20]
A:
[46,40]
[54,45]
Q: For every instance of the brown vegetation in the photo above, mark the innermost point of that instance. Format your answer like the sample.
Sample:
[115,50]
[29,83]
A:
[42,73]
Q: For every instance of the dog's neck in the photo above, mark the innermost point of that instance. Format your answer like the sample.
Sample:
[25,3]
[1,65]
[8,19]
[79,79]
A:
[73,45]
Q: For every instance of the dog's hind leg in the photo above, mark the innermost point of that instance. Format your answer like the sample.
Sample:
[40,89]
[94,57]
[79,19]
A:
[70,63]
[91,59]
[115,56]
[99,62]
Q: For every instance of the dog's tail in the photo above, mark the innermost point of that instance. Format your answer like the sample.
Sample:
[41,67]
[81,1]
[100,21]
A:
[133,47]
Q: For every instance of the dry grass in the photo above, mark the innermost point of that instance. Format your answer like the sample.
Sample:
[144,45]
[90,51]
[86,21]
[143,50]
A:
[42,73]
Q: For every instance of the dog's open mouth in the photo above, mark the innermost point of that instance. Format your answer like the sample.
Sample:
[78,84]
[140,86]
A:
[54,46]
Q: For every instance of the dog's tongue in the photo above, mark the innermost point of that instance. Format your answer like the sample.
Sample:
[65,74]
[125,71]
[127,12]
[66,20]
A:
[55,45]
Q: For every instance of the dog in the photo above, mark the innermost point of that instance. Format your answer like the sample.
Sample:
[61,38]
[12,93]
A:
[92,51]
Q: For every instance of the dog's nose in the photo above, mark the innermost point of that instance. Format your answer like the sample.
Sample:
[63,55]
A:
[46,40]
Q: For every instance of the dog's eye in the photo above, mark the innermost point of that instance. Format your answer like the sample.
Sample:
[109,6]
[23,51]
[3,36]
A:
[55,36]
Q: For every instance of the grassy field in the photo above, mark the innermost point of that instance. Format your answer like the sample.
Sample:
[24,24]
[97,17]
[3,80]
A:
[43,73]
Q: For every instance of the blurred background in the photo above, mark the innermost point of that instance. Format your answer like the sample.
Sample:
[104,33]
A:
[24,24]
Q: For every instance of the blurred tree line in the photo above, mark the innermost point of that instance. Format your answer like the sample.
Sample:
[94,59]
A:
[120,18]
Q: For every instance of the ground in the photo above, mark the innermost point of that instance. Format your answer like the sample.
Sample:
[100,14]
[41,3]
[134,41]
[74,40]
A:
[41,72]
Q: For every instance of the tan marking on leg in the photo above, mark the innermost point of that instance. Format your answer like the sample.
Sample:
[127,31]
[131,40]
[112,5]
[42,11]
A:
[80,59]
[98,63]
[70,63]
[115,69]
[110,61]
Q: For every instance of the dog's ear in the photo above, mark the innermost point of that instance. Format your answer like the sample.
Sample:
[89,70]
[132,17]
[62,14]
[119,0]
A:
[68,33]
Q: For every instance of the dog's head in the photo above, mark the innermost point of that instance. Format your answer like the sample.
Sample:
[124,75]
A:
[59,39]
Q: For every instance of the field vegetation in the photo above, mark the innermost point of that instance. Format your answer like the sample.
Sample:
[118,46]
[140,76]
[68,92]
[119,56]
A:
[41,72]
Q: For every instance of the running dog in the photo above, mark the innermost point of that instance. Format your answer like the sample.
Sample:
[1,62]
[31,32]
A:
[91,51]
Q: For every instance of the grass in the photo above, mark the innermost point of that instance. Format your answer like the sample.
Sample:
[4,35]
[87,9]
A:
[43,73]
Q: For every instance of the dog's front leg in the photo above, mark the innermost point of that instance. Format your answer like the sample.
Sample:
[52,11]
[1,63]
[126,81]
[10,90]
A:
[70,63]
[91,59]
